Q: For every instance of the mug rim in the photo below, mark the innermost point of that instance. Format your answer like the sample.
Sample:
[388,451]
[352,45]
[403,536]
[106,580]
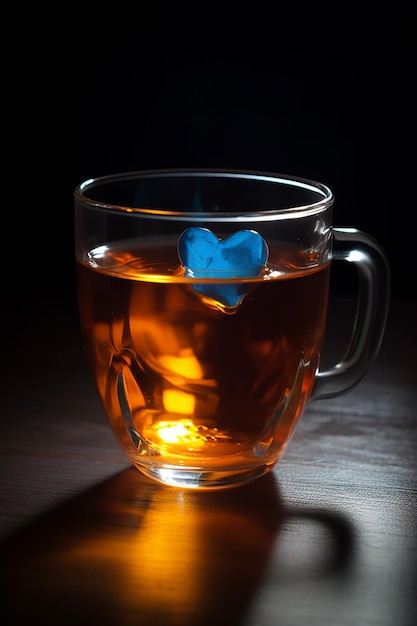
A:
[324,202]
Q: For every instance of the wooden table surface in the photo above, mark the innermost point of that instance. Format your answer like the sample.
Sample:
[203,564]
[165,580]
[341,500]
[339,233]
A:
[328,538]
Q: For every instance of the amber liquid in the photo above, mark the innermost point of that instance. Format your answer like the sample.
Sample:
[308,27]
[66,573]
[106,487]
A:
[187,382]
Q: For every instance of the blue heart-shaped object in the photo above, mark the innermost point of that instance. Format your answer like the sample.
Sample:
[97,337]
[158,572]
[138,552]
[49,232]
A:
[241,255]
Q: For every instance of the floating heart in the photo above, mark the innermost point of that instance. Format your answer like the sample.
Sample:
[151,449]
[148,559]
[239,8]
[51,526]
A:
[241,255]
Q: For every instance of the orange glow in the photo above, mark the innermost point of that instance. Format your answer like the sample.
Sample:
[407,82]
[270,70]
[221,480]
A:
[176,401]
[181,432]
[186,364]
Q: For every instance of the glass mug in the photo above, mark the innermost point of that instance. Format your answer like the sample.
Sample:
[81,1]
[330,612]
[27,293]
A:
[203,298]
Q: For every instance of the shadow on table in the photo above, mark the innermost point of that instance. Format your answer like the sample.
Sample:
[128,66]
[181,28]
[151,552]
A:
[130,551]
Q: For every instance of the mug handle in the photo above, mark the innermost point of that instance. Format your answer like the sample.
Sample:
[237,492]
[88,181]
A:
[359,248]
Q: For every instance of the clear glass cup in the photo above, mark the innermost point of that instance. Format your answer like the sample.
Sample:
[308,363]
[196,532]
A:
[203,301]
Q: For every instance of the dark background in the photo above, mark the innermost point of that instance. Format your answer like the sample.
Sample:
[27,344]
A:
[326,96]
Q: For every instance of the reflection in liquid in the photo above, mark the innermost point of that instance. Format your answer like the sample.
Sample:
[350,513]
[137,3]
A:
[133,552]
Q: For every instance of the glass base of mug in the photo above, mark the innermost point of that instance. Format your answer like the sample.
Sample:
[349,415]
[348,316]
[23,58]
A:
[203,479]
